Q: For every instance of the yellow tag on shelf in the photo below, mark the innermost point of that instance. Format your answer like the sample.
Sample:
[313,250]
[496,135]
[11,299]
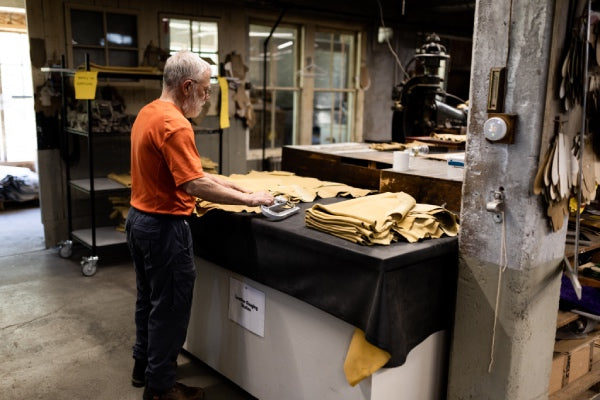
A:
[85,85]
[224,114]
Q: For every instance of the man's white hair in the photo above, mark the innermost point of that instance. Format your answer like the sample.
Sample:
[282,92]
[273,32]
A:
[181,66]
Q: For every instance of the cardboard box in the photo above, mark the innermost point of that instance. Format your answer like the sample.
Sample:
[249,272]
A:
[558,373]
[596,351]
[579,353]
[580,362]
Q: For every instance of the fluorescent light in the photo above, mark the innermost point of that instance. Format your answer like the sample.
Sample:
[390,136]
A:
[276,35]
[13,10]
[285,44]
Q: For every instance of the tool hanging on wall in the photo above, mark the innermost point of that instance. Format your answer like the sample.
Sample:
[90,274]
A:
[557,175]
[574,63]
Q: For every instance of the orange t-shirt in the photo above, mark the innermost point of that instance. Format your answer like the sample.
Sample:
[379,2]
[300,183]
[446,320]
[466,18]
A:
[163,156]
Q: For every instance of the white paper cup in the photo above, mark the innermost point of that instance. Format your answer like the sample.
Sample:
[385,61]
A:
[401,161]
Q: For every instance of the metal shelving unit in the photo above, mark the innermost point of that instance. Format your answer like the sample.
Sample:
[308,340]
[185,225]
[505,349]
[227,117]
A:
[94,236]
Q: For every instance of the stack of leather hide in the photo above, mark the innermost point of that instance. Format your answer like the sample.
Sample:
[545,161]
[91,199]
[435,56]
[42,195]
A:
[382,219]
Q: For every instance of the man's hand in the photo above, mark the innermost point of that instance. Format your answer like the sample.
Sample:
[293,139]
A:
[260,199]
[219,191]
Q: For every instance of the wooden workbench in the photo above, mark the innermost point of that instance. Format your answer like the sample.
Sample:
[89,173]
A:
[429,179]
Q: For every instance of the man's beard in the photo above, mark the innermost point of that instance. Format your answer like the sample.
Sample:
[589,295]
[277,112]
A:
[193,105]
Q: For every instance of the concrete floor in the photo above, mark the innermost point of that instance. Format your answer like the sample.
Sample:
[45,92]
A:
[66,336]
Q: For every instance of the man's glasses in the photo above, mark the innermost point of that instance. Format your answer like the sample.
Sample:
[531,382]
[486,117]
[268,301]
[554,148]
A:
[207,89]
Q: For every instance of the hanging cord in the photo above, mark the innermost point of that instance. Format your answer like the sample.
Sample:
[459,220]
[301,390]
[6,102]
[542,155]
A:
[501,269]
[503,263]
[387,40]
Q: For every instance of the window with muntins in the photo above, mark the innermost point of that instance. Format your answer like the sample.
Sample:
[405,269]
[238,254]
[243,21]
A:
[109,38]
[306,65]
[281,89]
[201,37]
[334,87]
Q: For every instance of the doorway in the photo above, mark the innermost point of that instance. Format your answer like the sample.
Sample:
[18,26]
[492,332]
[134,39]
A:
[18,139]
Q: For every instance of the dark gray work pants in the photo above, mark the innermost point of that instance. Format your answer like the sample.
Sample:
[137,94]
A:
[162,252]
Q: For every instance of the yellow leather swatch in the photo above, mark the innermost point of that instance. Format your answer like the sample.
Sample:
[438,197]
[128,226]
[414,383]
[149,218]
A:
[362,358]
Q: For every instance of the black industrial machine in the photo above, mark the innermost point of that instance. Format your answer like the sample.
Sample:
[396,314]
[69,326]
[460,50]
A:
[421,105]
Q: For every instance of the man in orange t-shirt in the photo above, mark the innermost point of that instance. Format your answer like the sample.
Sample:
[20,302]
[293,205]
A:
[166,176]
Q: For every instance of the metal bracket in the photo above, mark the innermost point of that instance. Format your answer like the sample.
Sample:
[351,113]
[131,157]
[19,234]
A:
[496,204]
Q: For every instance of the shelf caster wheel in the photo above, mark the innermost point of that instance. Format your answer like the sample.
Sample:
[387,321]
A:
[88,265]
[65,249]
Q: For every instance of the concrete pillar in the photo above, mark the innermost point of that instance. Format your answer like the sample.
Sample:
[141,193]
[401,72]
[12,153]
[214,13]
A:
[516,34]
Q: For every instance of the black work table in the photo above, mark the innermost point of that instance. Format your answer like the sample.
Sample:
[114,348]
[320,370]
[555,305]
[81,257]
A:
[398,294]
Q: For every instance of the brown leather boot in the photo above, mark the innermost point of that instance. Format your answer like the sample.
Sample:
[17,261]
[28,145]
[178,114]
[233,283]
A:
[178,392]
[138,375]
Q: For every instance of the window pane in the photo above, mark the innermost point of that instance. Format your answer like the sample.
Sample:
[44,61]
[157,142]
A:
[258,33]
[87,27]
[178,35]
[121,30]
[195,36]
[330,117]
[281,125]
[284,122]
[123,58]
[334,55]
[204,37]
[282,60]
[96,56]
[281,55]
[214,66]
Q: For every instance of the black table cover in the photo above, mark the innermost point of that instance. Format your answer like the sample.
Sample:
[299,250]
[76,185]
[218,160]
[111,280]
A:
[397,294]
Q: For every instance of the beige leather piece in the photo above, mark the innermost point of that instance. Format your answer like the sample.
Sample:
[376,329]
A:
[450,137]
[120,207]
[123,179]
[387,146]
[411,237]
[295,188]
[296,192]
[362,358]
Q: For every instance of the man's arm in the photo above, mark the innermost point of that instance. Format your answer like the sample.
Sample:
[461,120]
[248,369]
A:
[215,190]
[226,183]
